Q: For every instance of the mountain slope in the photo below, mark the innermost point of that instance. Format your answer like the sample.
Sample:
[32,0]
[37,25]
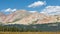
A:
[2,17]
[26,18]
[17,15]
[37,18]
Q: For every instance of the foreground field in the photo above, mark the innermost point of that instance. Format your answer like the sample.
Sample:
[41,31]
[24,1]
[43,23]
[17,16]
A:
[29,32]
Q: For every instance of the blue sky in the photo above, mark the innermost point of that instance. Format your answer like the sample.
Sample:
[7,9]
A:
[23,4]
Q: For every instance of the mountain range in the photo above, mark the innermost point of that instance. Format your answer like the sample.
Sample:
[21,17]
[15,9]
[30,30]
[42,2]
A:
[25,17]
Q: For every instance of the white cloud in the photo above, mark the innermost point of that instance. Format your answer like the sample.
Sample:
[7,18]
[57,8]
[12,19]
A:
[38,3]
[32,11]
[9,10]
[14,9]
[51,10]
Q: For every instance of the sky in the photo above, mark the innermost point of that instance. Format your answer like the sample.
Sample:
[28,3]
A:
[31,5]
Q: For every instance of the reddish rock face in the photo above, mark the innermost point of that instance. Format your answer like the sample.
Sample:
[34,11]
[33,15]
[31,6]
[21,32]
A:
[37,18]
[24,17]
[2,17]
[16,16]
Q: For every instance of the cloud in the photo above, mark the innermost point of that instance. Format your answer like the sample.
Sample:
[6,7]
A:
[9,10]
[38,3]
[32,11]
[51,10]
[14,10]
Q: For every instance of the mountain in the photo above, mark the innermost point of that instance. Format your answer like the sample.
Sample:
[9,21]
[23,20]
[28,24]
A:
[29,19]
[37,18]
[17,15]
[2,17]
[25,17]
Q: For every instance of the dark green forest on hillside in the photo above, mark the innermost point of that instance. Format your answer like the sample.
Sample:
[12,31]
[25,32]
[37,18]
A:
[32,27]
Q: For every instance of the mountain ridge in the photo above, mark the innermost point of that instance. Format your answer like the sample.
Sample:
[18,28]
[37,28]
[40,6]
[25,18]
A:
[25,17]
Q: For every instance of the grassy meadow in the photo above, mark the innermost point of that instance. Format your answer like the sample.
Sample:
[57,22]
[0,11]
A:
[29,32]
